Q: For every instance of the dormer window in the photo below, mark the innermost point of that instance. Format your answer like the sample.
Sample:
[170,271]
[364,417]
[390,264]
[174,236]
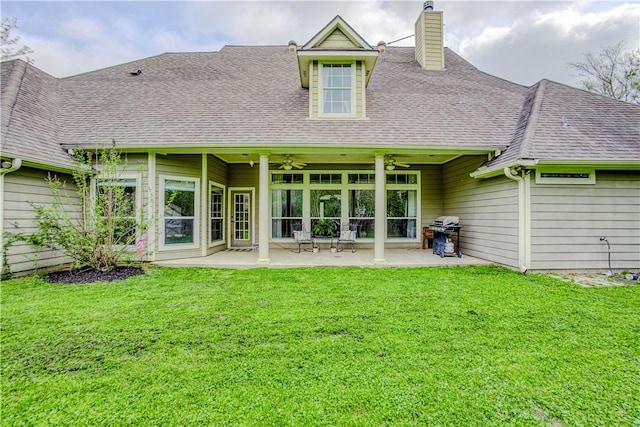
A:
[336,65]
[337,89]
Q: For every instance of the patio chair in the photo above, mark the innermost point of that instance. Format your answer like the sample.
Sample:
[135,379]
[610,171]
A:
[301,237]
[347,235]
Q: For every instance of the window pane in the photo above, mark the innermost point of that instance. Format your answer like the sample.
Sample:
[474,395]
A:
[216,230]
[286,211]
[325,178]
[179,200]
[362,178]
[217,214]
[116,207]
[401,213]
[287,178]
[115,199]
[325,203]
[286,203]
[178,231]
[337,87]
[179,211]
[405,228]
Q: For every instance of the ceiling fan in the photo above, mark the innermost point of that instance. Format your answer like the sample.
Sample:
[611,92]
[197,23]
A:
[288,163]
[391,163]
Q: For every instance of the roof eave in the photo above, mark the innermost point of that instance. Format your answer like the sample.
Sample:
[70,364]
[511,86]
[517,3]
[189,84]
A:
[609,164]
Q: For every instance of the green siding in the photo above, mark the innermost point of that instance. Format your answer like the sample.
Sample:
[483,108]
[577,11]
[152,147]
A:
[567,222]
[21,188]
[488,211]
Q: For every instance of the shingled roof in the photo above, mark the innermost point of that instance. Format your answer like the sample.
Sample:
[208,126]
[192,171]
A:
[31,115]
[251,96]
[559,122]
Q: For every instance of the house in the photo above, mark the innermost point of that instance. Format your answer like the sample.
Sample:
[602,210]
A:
[257,140]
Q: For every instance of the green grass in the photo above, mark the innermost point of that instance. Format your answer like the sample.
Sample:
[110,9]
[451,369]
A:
[473,346]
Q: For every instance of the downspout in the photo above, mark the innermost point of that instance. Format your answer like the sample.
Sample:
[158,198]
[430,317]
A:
[15,165]
[524,206]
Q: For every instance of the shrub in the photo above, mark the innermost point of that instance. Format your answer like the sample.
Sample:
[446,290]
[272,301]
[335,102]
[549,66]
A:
[98,229]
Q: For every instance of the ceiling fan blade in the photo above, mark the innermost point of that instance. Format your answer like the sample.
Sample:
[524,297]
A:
[297,166]
[404,165]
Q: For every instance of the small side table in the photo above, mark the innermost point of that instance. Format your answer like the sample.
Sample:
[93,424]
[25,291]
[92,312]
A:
[427,238]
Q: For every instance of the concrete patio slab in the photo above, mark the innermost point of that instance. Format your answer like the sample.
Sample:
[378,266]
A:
[286,258]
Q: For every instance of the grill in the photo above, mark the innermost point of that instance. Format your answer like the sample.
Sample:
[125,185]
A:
[444,227]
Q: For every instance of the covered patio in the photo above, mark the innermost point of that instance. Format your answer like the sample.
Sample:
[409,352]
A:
[284,257]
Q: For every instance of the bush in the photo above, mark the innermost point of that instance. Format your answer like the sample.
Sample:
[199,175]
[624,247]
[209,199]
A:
[101,227]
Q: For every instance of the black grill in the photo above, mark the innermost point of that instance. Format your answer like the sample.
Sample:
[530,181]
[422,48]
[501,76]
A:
[444,227]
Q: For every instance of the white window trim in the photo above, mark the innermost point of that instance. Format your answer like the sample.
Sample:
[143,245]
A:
[567,179]
[418,191]
[196,208]
[306,186]
[223,241]
[252,190]
[138,207]
[354,109]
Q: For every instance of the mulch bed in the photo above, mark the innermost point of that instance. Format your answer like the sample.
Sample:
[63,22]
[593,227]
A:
[89,275]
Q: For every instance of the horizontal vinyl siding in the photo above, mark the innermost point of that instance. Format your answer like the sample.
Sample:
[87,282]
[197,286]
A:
[314,89]
[21,188]
[487,208]
[431,194]
[217,170]
[190,166]
[419,40]
[360,92]
[337,39]
[567,222]
[433,41]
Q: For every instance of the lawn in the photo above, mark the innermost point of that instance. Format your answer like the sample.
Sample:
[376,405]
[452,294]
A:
[463,346]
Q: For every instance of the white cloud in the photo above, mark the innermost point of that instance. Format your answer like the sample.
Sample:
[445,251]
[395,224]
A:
[542,44]
[522,41]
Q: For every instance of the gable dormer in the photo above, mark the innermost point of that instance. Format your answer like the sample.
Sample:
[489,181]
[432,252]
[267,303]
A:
[336,65]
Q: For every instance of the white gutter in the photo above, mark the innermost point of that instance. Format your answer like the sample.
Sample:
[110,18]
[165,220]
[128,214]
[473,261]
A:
[524,217]
[15,165]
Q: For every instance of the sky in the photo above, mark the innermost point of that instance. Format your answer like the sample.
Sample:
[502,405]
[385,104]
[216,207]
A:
[521,41]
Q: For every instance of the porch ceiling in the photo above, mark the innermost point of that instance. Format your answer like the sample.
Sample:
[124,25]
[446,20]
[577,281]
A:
[336,157]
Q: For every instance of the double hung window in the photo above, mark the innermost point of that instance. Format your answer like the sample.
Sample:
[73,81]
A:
[216,213]
[180,201]
[116,210]
[402,205]
[337,89]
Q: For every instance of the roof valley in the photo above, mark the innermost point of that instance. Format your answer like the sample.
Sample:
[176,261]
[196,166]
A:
[532,120]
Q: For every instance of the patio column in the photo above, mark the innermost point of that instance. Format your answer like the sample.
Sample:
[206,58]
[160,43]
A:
[381,212]
[263,206]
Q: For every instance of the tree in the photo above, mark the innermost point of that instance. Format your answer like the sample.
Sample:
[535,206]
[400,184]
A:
[612,72]
[9,44]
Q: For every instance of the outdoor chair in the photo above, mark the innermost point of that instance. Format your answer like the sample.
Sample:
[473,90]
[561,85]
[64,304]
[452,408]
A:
[347,235]
[301,237]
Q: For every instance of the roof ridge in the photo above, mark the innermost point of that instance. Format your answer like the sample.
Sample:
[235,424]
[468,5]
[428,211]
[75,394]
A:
[532,119]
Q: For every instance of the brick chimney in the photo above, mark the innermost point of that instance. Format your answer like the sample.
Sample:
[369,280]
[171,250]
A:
[429,39]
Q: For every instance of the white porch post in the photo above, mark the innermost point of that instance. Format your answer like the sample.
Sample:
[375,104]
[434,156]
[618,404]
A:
[381,212]
[204,206]
[263,232]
